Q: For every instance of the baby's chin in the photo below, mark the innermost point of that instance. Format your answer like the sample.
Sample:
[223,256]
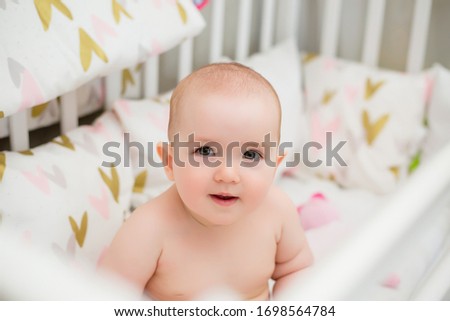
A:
[217,221]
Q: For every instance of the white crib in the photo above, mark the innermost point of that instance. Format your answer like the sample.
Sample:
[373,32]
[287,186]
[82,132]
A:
[337,276]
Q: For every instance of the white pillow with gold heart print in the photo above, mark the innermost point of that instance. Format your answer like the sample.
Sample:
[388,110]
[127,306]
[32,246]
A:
[52,47]
[61,197]
[378,113]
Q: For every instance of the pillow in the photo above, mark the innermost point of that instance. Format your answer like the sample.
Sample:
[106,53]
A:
[90,98]
[145,124]
[438,117]
[62,197]
[146,120]
[52,47]
[375,118]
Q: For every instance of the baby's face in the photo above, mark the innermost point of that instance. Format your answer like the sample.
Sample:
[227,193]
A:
[226,171]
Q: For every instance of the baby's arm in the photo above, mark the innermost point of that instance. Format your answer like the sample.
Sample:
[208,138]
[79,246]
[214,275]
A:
[293,252]
[134,251]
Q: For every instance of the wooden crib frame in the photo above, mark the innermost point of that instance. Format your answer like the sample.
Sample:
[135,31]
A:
[280,20]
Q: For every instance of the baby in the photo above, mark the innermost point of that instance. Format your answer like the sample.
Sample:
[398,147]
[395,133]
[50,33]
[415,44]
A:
[222,224]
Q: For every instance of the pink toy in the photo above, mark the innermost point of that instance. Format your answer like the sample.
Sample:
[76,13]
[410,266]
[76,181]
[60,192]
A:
[200,4]
[316,212]
[392,281]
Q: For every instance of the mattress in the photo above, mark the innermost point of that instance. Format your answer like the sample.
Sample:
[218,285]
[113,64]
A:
[403,268]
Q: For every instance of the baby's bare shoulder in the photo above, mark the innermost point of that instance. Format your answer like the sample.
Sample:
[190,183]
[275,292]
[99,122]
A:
[139,240]
[155,212]
[278,200]
[279,209]
[143,226]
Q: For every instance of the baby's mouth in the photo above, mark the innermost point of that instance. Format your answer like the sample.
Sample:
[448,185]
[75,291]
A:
[224,199]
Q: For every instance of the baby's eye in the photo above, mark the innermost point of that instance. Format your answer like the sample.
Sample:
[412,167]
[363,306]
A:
[205,151]
[252,155]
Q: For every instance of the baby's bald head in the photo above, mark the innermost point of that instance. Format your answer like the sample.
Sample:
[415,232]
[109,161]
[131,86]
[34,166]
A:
[228,78]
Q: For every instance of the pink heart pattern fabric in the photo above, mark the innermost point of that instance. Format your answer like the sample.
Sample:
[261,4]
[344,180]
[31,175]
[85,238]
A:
[65,44]
[54,197]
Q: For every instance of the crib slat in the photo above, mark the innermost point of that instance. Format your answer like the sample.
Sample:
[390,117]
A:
[69,112]
[374,28]
[185,58]
[217,26]
[244,29]
[4,127]
[419,35]
[151,77]
[287,19]
[267,25]
[18,131]
[330,27]
[133,85]
[112,85]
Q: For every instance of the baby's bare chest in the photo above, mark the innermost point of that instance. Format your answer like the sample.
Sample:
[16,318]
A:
[190,264]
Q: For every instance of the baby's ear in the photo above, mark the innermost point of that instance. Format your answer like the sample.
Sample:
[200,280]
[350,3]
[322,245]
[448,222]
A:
[165,153]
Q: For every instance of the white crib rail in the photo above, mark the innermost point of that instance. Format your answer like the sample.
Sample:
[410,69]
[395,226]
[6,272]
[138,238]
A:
[185,58]
[69,112]
[419,32]
[151,76]
[437,283]
[267,25]
[337,275]
[51,278]
[330,27]
[244,29]
[287,19]
[18,127]
[217,24]
[112,84]
[374,28]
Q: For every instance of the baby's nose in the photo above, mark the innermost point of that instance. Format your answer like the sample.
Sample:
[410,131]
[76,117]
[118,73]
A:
[227,173]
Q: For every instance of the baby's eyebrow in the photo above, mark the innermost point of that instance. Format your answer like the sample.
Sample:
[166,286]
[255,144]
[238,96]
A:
[253,145]
[247,145]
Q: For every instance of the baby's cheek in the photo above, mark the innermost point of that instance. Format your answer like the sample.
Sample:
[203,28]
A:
[260,183]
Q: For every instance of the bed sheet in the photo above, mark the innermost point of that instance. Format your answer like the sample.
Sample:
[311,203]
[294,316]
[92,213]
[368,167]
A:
[351,206]
[406,264]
